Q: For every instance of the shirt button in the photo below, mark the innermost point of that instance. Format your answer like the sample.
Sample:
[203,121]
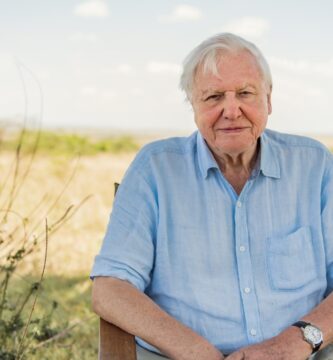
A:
[242,248]
[239,204]
[253,332]
[247,290]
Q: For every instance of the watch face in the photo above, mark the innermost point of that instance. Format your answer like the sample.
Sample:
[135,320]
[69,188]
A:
[313,335]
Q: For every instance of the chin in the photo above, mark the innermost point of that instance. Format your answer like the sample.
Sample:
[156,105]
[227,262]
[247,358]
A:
[232,148]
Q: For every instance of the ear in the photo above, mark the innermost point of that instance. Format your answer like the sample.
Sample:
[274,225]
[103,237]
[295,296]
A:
[269,103]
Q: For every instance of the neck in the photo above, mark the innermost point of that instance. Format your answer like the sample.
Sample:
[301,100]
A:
[237,168]
[244,161]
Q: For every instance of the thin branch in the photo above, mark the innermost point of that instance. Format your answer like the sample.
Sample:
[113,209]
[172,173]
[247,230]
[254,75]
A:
[9,236]
[16,186]
[63,333]
[57,199]
[20,352]
[62,220]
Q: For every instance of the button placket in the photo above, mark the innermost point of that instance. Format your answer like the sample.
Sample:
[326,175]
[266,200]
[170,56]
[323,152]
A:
[245,273]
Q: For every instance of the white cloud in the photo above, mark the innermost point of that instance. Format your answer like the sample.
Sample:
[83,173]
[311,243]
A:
[92,8]
[301,94]
[163,67]
[303,67]
[124,69]
[248,26]
[83,37]
[88,91]
[108,94]
[174,97]
[137,91]
[43,74]
[183,13]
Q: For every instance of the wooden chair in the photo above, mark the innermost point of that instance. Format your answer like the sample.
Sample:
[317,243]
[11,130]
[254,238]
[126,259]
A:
[115,343]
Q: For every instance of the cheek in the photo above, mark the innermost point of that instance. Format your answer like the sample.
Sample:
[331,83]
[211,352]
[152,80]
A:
[207,118]
[259,124]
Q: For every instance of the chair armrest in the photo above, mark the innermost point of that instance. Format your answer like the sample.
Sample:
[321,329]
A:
[115,343]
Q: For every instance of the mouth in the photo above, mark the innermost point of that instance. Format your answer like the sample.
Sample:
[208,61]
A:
[233,130]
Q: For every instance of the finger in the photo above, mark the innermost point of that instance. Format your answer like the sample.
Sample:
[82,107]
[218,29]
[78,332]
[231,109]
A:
[239,355]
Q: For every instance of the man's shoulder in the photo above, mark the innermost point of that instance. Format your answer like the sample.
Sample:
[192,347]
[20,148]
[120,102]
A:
[280,139]
[182,146]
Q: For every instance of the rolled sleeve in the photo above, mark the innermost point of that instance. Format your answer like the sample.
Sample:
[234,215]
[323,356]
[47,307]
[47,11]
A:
[127,251]
[327,222]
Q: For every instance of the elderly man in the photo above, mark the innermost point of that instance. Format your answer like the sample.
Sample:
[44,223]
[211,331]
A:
[222,243]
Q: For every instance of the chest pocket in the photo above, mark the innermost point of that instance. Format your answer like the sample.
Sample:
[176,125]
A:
[291,260]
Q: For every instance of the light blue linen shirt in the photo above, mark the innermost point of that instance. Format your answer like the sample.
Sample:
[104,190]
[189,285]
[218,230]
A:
[235,269]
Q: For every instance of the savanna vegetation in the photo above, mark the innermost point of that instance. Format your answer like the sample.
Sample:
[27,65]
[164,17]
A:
[56,191]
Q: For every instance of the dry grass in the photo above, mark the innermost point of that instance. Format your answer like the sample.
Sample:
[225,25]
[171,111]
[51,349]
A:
[73,247]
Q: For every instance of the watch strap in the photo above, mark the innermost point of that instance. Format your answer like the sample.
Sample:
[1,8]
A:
[302,325]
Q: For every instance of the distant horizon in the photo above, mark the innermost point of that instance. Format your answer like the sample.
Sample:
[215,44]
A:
[140,131]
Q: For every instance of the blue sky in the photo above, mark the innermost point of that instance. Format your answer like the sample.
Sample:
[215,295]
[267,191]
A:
[116,64]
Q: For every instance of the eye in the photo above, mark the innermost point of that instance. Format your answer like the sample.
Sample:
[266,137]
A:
[213,97]
[245,93]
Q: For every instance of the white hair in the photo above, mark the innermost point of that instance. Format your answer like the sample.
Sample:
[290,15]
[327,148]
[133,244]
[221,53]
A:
[207,55]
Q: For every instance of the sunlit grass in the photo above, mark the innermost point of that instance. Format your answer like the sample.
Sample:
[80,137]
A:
[62,325]
[59,143]
[72,332]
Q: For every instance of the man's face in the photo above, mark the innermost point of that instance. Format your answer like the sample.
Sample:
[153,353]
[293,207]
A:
[231,109]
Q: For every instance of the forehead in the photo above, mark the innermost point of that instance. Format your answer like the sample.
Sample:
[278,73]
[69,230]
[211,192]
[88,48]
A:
[229,70]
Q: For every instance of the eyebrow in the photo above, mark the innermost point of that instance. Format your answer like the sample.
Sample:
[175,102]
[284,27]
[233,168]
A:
[217,91]
[246,86]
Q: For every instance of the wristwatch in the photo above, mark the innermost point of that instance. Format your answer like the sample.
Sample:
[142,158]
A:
[311,334]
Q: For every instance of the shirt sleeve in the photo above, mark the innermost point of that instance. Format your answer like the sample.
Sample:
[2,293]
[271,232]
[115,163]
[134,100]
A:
[127,251]
[327,221]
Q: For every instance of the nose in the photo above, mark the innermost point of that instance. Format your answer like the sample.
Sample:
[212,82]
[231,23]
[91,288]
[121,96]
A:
[231,109]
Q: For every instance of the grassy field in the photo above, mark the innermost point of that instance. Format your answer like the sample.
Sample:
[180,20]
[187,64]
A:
[66,170]
[56,181]
[72,323]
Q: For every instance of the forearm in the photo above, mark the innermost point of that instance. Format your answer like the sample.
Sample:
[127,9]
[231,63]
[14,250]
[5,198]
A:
[290,344]
[122,304]
[322,317]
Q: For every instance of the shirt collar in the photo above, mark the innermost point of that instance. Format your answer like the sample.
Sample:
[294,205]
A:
[205,157]
[269,160]
[269,164]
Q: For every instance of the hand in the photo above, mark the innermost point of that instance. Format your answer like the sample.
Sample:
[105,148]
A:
[203,353]
[273,349]
[260,352]
[257,352]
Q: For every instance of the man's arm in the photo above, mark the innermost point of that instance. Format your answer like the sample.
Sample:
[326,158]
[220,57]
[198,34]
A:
[120,303]
[290,344]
